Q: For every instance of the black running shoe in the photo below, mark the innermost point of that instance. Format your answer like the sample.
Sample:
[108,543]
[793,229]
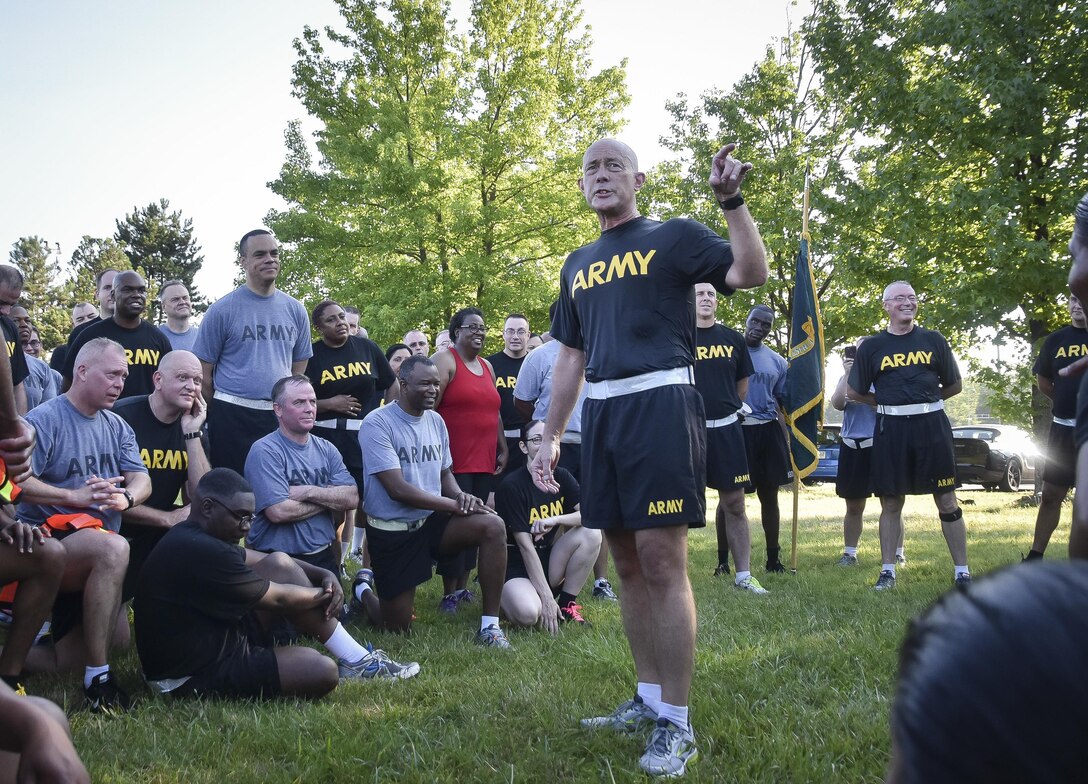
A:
[105,696]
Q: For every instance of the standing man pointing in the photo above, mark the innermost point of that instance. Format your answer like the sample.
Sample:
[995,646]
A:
[626,320]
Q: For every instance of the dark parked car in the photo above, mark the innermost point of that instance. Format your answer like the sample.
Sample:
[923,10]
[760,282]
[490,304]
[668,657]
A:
[828,467]
[995,456]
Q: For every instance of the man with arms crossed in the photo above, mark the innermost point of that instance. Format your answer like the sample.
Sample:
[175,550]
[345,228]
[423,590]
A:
[416,512]
[722,367]
[248,340]
[913,372]
[626,320]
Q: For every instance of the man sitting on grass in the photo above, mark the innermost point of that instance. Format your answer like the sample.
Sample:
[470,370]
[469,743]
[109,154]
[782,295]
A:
[548,553]
[206,610]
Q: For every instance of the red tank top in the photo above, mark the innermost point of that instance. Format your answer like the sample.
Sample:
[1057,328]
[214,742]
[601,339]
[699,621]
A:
[470,409]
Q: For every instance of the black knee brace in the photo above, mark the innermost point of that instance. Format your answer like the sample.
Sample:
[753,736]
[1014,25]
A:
[951,517]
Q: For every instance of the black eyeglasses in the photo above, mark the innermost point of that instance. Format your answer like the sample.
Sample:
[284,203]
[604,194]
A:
[243,519]
[474,327]
[534,440]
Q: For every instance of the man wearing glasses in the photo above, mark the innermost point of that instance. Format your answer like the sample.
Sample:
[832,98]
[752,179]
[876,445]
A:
[507,364]
[913,372]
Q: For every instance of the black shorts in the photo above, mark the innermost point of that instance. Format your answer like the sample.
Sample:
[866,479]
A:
[1060,465]
[403,559]
[768,456]
[855,471]
[232,430]
[570,458]
[327,558]
[245,670]
[726,458]
[347,444]
[644,460]
[913,455]
[515,567]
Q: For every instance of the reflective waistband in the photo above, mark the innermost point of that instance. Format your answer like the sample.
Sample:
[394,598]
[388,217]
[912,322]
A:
[857,443]
[515,433]
[911,410]
[570,437]
[721,422]
[1066,422]
[614,387]
[399,526]
[750,422]
[340,423]
[244,402]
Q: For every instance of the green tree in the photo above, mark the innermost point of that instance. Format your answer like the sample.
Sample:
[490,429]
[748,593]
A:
[974,111]
[41,289]
[92,256]
[446,163]
[783,122]
[161,245]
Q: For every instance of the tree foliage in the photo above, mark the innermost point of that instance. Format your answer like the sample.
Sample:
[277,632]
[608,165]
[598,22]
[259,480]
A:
[975,115]
[783,122]
[160,243]
[446,162]
[92,256]
[41,288]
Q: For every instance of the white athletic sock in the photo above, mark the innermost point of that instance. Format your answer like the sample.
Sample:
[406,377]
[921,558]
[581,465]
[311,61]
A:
[488,620]
[357,538]
[650,694]
[360,589]
[962,570]
[742,576]
[343,646]
[677,714]
[888,568]
[851,551]
[899,551]
[91,672]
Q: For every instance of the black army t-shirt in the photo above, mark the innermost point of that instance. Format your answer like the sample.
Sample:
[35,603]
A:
[1060,349]
[905,369]
[357,368]
[721,360]
[191,595]
[628,299]
[144,346]
[162,450]
[506,376]
[520,503]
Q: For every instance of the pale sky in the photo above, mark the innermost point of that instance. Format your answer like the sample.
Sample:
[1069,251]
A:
[111,105]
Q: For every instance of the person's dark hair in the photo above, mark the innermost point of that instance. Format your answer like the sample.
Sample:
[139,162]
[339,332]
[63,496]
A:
[765,308]
[11,276]
[221,483]
[982,671]
[458,320]
[527,427]
[389,352]
[1080,220]
[410,364]
[279,386]
[521,316]
[246,236]
[319,311]
[101,274]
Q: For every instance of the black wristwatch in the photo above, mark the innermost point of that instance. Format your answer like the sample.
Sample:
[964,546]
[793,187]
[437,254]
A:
[131,500]
[731,203]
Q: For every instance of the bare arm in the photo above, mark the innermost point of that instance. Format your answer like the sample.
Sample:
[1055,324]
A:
[207,384]
[402,492]
[951,390]
[838,397]
[857,397]
[749,268]
[299,367]
[307,500]
[567,377]
[525,407]
[21,404]
[549,610]
[447,369]
[742,388]
[155,518]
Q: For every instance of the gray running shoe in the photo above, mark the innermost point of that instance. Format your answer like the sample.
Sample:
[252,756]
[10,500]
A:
[629,717]
[900,560]
[847,560]
[751,585]
[963,580]
[885,582]
[377,665]
[669,751]
[602,589]
[493,637]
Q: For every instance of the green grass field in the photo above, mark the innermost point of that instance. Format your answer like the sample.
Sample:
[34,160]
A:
[791,687]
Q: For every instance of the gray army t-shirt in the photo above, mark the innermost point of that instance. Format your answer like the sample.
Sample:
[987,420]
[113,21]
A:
[275,464]
[253,341]
[419,446]
[71,448]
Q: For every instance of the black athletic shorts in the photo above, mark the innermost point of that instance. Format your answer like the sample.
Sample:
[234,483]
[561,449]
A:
[246,670]
[855,472]
[726,458]
[644,459]
[570,458]
[1060,465]
[515,567]
[768,456]
[347,444]
[404,559]
[328,558]
[913,455]
[232,430]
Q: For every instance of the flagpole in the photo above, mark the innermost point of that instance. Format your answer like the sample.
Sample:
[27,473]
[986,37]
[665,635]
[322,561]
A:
[796,474]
